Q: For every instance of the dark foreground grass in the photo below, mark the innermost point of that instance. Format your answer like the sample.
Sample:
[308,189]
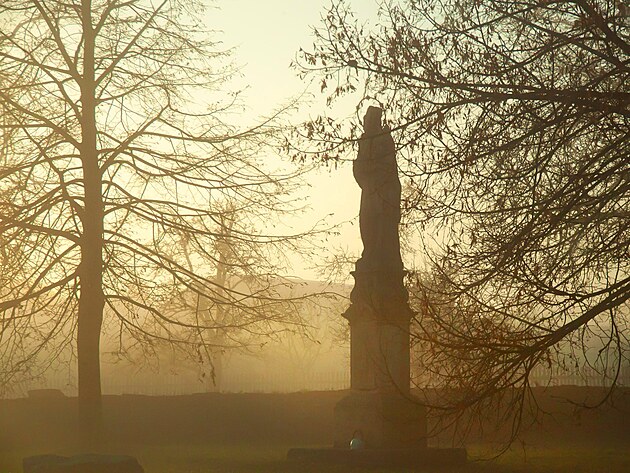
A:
[247,458]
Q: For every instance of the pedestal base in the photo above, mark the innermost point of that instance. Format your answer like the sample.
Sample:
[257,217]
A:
[383,420]
[381,457]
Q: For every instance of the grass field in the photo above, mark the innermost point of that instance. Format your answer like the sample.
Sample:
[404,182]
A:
[247,458]
[251,433]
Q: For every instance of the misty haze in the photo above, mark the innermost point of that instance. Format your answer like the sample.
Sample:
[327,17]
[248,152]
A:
[327,236]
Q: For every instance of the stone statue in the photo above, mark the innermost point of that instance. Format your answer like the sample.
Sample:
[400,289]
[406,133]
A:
[379,272]
[379,402]
[376,172]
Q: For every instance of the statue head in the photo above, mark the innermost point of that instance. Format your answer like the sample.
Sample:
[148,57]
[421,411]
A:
[372,121]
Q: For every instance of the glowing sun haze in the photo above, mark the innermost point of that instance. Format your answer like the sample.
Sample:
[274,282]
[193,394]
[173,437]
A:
[266,36]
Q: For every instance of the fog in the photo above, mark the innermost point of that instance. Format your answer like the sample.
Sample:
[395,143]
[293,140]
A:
[326,236]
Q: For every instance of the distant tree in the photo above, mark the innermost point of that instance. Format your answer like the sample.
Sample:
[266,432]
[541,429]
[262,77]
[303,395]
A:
[512,122]
[238,267]
[115,111]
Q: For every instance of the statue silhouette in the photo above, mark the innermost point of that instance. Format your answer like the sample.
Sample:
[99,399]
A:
[376,172]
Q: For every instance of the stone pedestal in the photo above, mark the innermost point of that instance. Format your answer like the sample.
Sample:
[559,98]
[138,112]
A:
[379,407]
[385,421]
[421,458]
[379,349]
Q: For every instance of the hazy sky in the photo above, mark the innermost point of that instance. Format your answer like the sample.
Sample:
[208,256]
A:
[267,35]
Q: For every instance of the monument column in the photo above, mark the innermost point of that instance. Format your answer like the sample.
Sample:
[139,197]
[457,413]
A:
[379,407]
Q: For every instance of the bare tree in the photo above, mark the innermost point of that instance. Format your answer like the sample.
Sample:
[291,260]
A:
[238,266]
[116,113]
[512,118]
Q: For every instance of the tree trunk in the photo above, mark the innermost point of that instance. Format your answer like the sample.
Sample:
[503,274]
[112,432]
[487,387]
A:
[91,299]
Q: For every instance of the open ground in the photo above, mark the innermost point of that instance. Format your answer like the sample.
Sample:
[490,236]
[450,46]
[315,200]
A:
[251,433]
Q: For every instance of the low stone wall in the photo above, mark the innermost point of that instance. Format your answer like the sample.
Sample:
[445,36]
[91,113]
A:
[297,419]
